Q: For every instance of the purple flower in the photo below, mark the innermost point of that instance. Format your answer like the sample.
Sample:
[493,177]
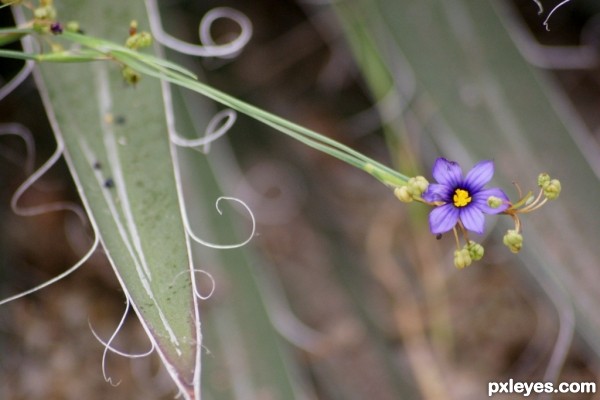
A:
[461,199]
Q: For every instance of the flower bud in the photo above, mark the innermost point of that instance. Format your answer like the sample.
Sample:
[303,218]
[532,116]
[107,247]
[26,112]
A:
[130,75]
[494,202]
[475,250]
[552,189]
[139,40]
[417,185]
[462,258]
[543,179]
[47,12]
[403,194]
[40,13]
[513,240]
[73,26]
[40,26]
[133,27]
[145,39]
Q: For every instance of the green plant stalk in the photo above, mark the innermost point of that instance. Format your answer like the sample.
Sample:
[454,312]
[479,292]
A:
[99,49]
[10,38]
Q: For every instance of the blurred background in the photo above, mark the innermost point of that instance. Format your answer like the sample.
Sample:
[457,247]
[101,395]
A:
[354,294]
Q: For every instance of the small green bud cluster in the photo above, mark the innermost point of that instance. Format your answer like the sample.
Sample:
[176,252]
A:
[513,240]
[45,12]
[494,202]
[413,189]
[462,258]
[73,26]
[543,179]
[472,251]
[417,185]
[139,40]
[44,16]
[401,192]
[136,40]
[475,250]
[550,187]
[130,75]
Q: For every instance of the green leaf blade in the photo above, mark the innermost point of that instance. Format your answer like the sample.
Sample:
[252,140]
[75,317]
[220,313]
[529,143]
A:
[117,146]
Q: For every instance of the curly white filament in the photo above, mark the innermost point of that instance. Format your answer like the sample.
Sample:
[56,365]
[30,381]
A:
[108,347]
[236,45]
[169,114]
[559,5]
[209,47]
[219,125]
[195,280]
[212,281]
[58,277]
[43,208]
[195,238]
[21,131]
[107,344]
[16,80]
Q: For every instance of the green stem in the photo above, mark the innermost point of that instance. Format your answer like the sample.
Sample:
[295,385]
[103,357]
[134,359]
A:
[8,38]
[175,74]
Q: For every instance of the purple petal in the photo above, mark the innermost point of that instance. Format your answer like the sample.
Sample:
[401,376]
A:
[472,218]
[447,172]
[437,192]
[480,175]
[443,218]
[480,200]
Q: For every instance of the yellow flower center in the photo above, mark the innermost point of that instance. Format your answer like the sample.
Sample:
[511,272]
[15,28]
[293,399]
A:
[461,198]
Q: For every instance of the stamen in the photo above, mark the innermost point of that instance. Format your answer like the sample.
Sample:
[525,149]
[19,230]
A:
[461,198]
